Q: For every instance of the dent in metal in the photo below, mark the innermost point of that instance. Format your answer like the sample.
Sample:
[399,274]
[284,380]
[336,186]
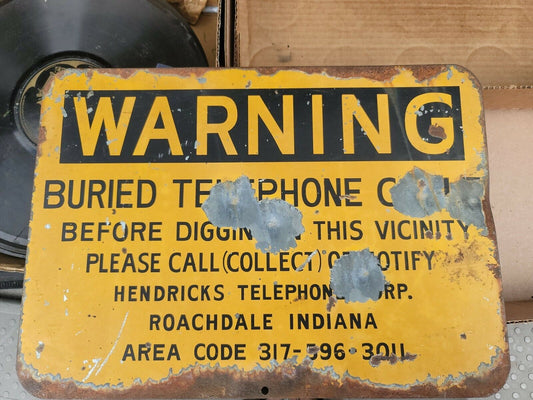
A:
[420,194]
[357,277]
[273,223]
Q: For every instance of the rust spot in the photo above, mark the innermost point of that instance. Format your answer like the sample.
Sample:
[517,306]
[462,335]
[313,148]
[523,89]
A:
[465,254]
[408,357]
[437,131]
[332,301]
[378,73]
[42,138]
[124,250]
[463,336]
[312,350]
[496,270]
[375,360]
[428,234]
[425,72]
[460,257]
[421,184]
[449,236]
[124,73]
[438,235]
[348,197]
[375,73]
[40,348]
[46,89]
[392,359]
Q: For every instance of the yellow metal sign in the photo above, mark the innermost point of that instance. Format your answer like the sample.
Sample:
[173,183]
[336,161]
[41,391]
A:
[244,233]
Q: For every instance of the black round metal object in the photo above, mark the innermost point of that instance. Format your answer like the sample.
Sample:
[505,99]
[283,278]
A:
[41,37]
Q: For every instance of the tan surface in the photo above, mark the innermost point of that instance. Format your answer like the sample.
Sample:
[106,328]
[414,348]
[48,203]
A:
[510,144]
[519,311]
[206,31]
[492,38]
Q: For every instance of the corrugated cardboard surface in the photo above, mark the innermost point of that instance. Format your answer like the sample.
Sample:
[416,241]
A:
[206,31]
[492,38]
[509,122]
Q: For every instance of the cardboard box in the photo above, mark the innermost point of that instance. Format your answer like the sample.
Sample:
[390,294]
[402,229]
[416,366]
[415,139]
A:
[509,118]
[492,39]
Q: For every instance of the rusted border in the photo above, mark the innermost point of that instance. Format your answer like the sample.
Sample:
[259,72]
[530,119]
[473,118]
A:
[377,73]
[286,380]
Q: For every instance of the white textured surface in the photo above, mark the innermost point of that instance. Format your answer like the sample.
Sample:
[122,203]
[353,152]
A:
[10,388]
[519,384]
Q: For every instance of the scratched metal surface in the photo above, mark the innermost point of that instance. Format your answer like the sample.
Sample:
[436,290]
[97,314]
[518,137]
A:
[519,384]
[285,382]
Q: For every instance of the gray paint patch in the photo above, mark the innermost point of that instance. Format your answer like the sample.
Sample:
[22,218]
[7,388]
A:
[419,194]
[274,223]
[277,225]
[465,202]
[232,204]
[357,276]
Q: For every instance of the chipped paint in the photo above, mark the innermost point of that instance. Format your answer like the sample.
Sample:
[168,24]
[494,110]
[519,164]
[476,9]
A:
[392,359]
[465,202]
[357,277]
[420,194]
[39,350]
[274,223]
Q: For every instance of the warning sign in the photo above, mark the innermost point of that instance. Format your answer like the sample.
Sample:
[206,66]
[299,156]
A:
[244,233]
